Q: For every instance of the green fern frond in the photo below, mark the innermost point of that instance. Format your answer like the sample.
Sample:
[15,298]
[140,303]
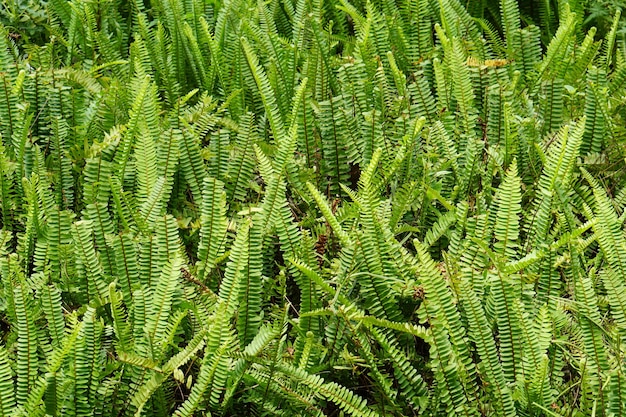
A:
[120,325]
[150,386]
[27,344]
[345,399]
[241,167]
[7,392]
[52,308]
[239,256]
[611,240]
[558,47]
[448,335]
[208,379]
[267,94]
[508,200]
[213,236]
[159,308]
[609,44]
[127,268]
[250,287]
[89,358]
[597,126]
[65,181]
[490,366]
[191,164]
[87,260]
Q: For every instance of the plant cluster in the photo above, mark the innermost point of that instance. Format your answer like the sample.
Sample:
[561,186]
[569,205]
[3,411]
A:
[304,207]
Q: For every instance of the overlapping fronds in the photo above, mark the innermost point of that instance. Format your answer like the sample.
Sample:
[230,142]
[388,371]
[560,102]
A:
[312,208]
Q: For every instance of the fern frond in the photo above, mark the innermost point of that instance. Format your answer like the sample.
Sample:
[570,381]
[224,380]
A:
[27,343]
[239,256]
[509,10]
[508,200]
[558,47]
[52,308]
[241,166]
[127,267]
[208,379]
[7,390]
[481,335]
[191,164]
[609,43]
[87,261]
[65,180]
[411,383]
[267,94]
[250,287]
[611,240]
[213,236]
[596,113]
[150,386]
[122,330]
[345,399]
[158,310]
[89,358]
[447,333]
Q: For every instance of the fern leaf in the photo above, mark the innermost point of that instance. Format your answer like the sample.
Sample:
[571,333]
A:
[208,379]
[611,240]
[191,164]
[250,287]
[267,94]
[27,360]
[7,390]
[122,330]
[150,386]
[88,263]
[89,357]
[508,200]
[126,265]
[480,333]
[348,401]
[52,309]
[160,306]
[239,256]
[213,236]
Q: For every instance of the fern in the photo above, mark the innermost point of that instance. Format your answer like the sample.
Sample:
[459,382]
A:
[213,233]
[8,391]
[92,272]
[26,360]
[486,348]
[508,199]
[610,238]
[311,208]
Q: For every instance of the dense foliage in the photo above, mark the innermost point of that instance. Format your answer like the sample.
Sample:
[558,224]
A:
[301,207]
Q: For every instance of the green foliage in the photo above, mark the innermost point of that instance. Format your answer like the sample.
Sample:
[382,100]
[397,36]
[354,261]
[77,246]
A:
[290,207]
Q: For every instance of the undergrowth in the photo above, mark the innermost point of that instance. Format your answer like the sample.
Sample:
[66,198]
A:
[297,207]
